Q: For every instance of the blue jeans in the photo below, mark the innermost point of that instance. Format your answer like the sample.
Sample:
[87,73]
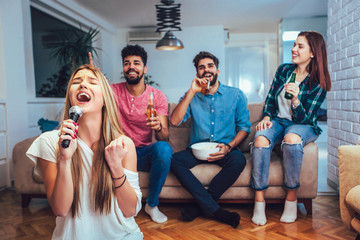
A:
[156,159]
[232,165]
[292,153]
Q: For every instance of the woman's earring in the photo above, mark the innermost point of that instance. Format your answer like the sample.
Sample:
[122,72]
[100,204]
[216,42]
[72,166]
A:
[312,56]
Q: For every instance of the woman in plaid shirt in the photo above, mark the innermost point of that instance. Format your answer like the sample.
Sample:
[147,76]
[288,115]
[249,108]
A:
[292,122]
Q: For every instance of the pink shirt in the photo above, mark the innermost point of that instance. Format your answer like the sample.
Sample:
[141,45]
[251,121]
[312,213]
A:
[132,111]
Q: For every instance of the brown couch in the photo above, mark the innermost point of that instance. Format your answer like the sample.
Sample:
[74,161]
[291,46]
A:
[349,186]
[30,185]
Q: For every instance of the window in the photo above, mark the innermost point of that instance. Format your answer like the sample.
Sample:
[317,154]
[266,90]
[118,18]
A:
[51,76]
[245,69]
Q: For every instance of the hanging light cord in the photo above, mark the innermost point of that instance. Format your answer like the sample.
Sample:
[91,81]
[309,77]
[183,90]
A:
[168,17]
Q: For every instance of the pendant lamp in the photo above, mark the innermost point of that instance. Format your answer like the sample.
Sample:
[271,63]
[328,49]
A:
[168,17]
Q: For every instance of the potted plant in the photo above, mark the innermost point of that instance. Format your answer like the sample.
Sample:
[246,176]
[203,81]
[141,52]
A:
[70,50]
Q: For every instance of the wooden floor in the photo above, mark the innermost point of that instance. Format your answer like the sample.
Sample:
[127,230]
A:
[38,222]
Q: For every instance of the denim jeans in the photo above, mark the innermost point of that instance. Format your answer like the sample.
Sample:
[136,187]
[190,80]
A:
[156,159]
[232,165]
[292,153]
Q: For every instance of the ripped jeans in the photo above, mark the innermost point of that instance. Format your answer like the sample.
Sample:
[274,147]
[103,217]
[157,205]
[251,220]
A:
[292,153]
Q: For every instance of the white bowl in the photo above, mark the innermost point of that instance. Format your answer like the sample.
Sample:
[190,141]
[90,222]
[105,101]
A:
[202,150]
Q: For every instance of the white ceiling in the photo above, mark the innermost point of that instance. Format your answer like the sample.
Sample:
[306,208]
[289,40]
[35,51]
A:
[235,15]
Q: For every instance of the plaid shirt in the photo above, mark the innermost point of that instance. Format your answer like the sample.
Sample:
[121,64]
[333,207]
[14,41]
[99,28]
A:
[310,100]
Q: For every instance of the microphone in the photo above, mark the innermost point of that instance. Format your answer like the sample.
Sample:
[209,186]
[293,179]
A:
[75,113]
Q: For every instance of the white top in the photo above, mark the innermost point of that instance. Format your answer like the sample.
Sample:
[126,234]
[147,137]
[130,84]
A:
[285,104]
[87,224]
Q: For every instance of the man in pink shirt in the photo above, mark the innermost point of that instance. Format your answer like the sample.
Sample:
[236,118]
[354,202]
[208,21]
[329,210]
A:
[132,99]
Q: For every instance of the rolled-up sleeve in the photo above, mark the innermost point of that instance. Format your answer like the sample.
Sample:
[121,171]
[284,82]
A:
[187,114]
[242,114]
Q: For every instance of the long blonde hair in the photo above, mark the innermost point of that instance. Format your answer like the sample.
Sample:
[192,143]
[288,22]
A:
[101,183]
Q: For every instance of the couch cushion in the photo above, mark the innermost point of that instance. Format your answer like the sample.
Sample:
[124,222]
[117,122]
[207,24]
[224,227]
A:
[353,198]
[24,170]
[255,110]
[186,124]
[245,145]
[19,152]
[179,138]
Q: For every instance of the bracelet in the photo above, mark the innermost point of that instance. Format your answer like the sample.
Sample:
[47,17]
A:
[226,144]
[118,177]
[121,183]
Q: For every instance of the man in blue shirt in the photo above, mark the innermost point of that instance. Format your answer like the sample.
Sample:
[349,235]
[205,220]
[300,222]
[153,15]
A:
[221,116]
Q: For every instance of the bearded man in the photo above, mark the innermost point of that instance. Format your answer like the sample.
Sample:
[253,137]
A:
[132,99]
[218,115]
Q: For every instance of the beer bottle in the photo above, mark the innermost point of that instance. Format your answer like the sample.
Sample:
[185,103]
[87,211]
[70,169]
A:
[292,79]
[150,111]
[205,88]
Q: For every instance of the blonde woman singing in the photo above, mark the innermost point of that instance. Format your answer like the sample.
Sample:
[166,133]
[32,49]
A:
[92,186]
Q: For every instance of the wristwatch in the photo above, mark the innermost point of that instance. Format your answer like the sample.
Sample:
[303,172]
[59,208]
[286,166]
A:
[226,144]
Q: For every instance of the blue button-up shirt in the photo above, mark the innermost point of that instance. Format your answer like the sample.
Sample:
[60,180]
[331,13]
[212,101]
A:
[218,117]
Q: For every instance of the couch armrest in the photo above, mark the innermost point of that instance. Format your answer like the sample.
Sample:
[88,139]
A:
[349,169]
[23,168]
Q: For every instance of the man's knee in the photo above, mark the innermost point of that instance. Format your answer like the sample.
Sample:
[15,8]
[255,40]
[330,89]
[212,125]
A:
[177,159]
[237,160]
[163,150]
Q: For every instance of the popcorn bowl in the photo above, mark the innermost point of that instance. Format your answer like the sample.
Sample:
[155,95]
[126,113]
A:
[202,150]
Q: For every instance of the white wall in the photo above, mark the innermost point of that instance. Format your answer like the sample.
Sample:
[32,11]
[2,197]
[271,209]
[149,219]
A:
[109,54]
[174,70]
[2,65]
[4,163]
[14,75]
[318,24]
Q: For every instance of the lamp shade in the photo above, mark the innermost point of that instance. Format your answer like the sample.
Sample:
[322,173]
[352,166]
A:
[169,42]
